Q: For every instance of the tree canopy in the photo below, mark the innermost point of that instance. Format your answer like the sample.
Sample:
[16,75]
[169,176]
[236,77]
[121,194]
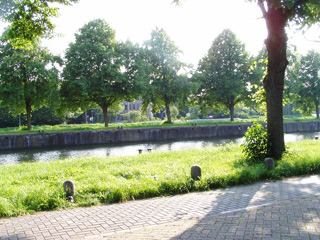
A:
[223,73]
[278,14]
[29,19]
[99,69]
[28,78]
[165,85]
[307,85]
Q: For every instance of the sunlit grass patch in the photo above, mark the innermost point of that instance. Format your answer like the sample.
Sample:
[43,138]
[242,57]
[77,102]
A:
[30,187]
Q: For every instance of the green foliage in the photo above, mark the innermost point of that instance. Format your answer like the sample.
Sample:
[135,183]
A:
[244,112]
[164,85]
[113,112]
[30,187]
[302,13]
[29,79]
[195,112]
[255,146]
[174,112]
[223,73]
[135,115]
[100,70]
[306,87]
[46,116]
[7,119]
[29,20]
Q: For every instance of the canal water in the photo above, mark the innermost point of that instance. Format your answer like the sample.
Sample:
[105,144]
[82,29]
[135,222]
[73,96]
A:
[50,154]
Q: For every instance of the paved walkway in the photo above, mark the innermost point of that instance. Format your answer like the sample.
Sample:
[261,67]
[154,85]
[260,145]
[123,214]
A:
[288,209]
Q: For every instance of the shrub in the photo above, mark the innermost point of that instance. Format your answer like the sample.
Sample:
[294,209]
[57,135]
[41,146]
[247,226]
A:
[255,146]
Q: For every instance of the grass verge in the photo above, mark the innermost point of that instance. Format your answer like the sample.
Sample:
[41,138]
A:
[148,124]
[31,187]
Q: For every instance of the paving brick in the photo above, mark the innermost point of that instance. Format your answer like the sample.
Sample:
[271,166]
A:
[288,209]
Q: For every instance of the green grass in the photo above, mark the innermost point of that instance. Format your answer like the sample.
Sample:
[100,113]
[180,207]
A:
[100,126]
[31,187]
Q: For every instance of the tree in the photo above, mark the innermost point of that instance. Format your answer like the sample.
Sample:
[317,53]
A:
[28,78]
[174,111]
[277,15]
[165,85]
[307,87]
[223,73]
[99,70]
[134,115]
[29,19]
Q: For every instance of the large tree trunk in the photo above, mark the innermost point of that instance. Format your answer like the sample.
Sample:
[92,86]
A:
[231,110]
[168,113]
[105,115]
[317,108]
[29,109]
[273,83]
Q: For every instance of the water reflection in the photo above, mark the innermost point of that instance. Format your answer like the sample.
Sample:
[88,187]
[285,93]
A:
[46,155]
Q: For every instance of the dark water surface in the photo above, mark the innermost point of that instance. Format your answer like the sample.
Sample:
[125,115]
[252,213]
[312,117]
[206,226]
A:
[50,154]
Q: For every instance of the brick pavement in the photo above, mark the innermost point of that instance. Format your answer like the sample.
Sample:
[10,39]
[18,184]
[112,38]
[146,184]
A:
[288,209]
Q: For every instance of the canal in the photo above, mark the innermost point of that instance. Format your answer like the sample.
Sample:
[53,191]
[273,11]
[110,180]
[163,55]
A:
[50,154]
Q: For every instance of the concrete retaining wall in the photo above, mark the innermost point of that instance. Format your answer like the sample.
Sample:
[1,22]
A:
[59,139]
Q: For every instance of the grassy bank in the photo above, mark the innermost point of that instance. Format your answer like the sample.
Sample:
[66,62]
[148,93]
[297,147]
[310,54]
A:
[31,187]
[100,126]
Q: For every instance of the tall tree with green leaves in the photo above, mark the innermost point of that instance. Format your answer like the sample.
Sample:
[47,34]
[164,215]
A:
[100,70]
[223,73]
[29,79]
[29,19]
[307,85]
[278,14]
[165,84]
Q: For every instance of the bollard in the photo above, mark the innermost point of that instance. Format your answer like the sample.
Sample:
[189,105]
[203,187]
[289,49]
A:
[140,151]
[268,163]
[195,172]
[69,188]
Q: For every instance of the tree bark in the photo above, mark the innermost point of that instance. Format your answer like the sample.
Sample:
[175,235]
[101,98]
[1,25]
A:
[317,108]
[273,83]
[105,116]
[231,110]
[168,113]
[29,109]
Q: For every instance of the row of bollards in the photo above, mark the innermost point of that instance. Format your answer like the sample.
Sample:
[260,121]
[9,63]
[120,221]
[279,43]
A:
[196,170]
[69,187]
[140,150]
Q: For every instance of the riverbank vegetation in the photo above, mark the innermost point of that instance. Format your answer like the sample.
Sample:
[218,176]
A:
[155,123]
[32,187]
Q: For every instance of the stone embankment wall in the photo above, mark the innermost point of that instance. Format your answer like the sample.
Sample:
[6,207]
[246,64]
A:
[61,139]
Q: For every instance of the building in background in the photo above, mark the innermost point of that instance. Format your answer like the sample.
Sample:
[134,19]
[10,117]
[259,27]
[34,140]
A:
[135,106]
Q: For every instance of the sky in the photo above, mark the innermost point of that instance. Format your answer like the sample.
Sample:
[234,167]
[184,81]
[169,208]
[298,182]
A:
[193,26]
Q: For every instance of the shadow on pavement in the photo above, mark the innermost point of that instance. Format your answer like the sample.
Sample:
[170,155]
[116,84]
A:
[288,209]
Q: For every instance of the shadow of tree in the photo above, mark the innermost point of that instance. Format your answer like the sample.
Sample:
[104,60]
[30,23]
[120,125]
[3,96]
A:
[288,209]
